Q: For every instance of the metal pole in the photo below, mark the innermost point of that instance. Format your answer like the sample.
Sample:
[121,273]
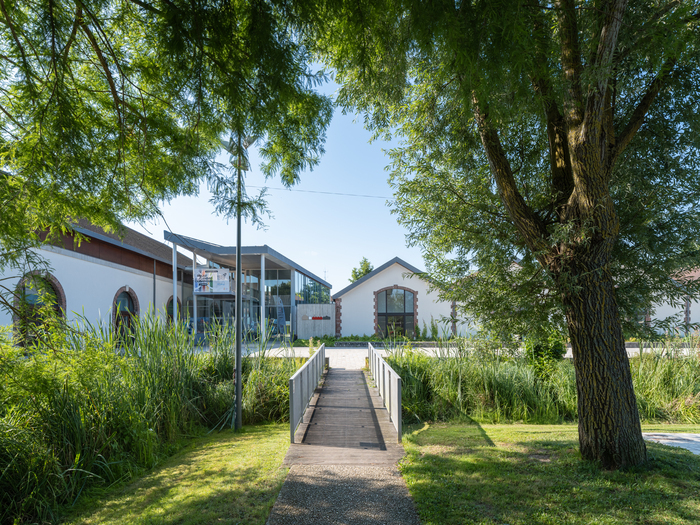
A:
[194,297]
[292,307]
[239,303]
[154,287]
[175,284]
[262,296]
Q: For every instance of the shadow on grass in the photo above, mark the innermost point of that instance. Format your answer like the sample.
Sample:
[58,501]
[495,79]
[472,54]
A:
[457,474]
[225,478]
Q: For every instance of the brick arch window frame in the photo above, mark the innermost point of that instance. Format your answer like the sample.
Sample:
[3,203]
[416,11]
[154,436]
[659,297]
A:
[179,307]
[395,287]
[134,299]
[48,277]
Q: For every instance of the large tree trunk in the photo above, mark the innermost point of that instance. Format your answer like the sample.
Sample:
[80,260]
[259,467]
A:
[578,258]
[608,421]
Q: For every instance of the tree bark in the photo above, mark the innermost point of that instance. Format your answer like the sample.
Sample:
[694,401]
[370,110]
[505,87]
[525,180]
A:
[608,420]
[609,428]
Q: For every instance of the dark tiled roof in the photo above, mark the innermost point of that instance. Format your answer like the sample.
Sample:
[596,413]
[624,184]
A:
[131,239]
[395,260]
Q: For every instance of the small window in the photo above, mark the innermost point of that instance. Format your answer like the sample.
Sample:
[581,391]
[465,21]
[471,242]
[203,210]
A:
[38,301]
[124,316]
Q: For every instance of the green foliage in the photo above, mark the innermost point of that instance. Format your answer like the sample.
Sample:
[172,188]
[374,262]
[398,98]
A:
[83,409]
[542,351]
[418,73]
[112,107]
[492,383]
[470,384]
[362,270]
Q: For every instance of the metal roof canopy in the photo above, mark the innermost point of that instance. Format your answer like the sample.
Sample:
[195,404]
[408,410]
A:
[250,255]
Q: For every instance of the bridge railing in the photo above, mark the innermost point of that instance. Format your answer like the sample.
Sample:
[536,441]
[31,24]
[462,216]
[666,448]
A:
[302,386]
[389,386]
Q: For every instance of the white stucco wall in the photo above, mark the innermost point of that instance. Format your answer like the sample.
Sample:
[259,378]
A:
[665,310]
[357,312]
[90,285]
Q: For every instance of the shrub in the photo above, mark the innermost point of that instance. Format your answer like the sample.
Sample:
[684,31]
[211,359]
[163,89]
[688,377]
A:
[542,352]
[480,380]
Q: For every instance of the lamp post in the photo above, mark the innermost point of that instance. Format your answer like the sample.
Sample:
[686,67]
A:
[241,165]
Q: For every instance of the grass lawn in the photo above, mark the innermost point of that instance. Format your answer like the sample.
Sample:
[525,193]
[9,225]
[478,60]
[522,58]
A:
[223,478]
[533,474]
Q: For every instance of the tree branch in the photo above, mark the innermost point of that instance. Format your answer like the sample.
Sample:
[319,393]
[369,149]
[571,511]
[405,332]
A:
[147,7]
[105,67]
[571,60]
[14,33]
[559,158]
[595,103]
[639,113]
[74,31]
[525,220]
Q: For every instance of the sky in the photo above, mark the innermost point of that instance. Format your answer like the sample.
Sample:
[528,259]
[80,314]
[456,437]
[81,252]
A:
[325,234]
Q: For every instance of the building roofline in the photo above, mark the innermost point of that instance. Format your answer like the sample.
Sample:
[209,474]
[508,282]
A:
[395,260]
[215,249]
[116,242]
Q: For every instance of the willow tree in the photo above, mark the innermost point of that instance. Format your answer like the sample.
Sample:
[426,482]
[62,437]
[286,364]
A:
[109,107]
[537,103]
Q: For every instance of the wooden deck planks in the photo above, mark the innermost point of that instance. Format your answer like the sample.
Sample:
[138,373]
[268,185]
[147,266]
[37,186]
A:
[345,424]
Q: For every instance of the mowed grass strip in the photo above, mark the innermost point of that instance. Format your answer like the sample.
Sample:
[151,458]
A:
[224,478]
[533,474]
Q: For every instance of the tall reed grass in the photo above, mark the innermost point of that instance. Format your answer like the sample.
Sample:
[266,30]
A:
[81,408]
[467,379]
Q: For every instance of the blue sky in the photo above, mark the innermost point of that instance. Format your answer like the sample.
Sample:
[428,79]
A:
[326,234]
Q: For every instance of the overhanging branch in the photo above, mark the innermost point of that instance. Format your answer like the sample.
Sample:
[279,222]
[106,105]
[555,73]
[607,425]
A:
[639,113]
[525,220]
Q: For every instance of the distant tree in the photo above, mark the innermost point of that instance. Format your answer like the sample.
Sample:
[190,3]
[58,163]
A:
[563,136]
[364,268]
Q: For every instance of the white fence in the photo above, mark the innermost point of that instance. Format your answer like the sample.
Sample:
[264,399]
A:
[389,386]
[302,386]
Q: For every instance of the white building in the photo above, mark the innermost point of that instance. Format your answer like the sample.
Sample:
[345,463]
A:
[686,313]
[392,300]
[112,279]
[88,280]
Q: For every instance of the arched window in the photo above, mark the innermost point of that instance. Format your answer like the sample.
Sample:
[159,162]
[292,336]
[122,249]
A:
[125,308]
[37,299]
[169,309]
[395,312]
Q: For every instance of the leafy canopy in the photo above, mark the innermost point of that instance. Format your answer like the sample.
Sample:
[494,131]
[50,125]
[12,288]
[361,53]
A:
[429,72]
[108,107]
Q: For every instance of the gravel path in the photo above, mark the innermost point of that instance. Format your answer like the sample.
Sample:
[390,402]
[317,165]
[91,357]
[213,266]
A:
[334,495]
[687,441]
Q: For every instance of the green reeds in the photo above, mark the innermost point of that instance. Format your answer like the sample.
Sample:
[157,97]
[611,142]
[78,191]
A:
[84,408]
[465,378]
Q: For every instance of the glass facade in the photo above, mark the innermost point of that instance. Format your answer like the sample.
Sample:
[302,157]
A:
[310,291]
[281,297]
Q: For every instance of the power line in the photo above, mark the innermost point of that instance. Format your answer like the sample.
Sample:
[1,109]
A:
[323,192]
